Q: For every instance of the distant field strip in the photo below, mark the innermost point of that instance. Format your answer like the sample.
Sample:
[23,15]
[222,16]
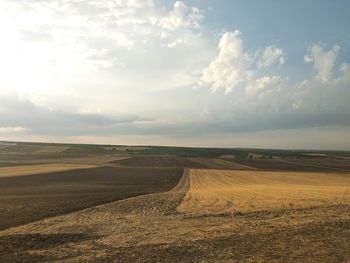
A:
[40,169]
[181,162]
[52,149]
[221,191]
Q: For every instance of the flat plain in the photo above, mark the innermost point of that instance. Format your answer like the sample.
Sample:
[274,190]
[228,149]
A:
[154,204]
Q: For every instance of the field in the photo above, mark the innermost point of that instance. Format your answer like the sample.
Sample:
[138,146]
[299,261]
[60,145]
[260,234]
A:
[130,205]
[149,229]
[180,162]
[39,169]
[24,199]
[219,191]
[295,164]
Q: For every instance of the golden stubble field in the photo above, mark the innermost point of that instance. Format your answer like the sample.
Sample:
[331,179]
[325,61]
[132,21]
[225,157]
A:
[40,169]
[222,191]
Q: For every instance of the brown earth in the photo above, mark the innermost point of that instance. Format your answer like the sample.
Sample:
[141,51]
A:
[181,162]
[25,199]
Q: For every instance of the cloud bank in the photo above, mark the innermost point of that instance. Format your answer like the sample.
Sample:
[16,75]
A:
[128,68]
[263,102]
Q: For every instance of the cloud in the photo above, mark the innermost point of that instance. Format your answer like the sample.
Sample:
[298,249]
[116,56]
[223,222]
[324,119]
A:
[323,61]
[270,101]
[279,103]
[53,44]
[269,56]
[262,83]
[181,16]
[176,43]
[12,129]
[234,67]
[108,68]
[17,113]
[139,3]
[231,66]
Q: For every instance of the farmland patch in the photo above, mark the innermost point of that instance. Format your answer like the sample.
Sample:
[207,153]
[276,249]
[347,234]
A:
[219,191]
[39,169]
[181,162]
[25,199]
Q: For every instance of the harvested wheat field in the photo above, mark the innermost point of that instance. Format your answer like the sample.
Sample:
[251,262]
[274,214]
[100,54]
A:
[221,191]
[40,169]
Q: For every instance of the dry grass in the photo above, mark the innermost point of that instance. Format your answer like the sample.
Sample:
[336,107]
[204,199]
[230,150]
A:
[40,169]
[222,191]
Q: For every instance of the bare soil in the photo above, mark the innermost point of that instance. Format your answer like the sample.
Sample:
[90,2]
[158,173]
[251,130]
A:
[24,199]
[181,162]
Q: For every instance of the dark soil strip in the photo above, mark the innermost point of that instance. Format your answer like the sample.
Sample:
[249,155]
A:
[29,198]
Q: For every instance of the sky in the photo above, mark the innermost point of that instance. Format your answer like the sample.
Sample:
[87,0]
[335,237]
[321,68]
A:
[229,73]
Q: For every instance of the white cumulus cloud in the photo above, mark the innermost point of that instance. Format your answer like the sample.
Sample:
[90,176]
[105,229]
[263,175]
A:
[234,66]
[323,61]
[269,56]
[181,16]
[231,66]
[262,83]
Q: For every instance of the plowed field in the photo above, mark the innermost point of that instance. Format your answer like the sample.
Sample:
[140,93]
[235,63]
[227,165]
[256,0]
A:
[181,162]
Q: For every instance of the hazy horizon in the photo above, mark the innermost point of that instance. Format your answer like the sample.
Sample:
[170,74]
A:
[195,73]
[177,146]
